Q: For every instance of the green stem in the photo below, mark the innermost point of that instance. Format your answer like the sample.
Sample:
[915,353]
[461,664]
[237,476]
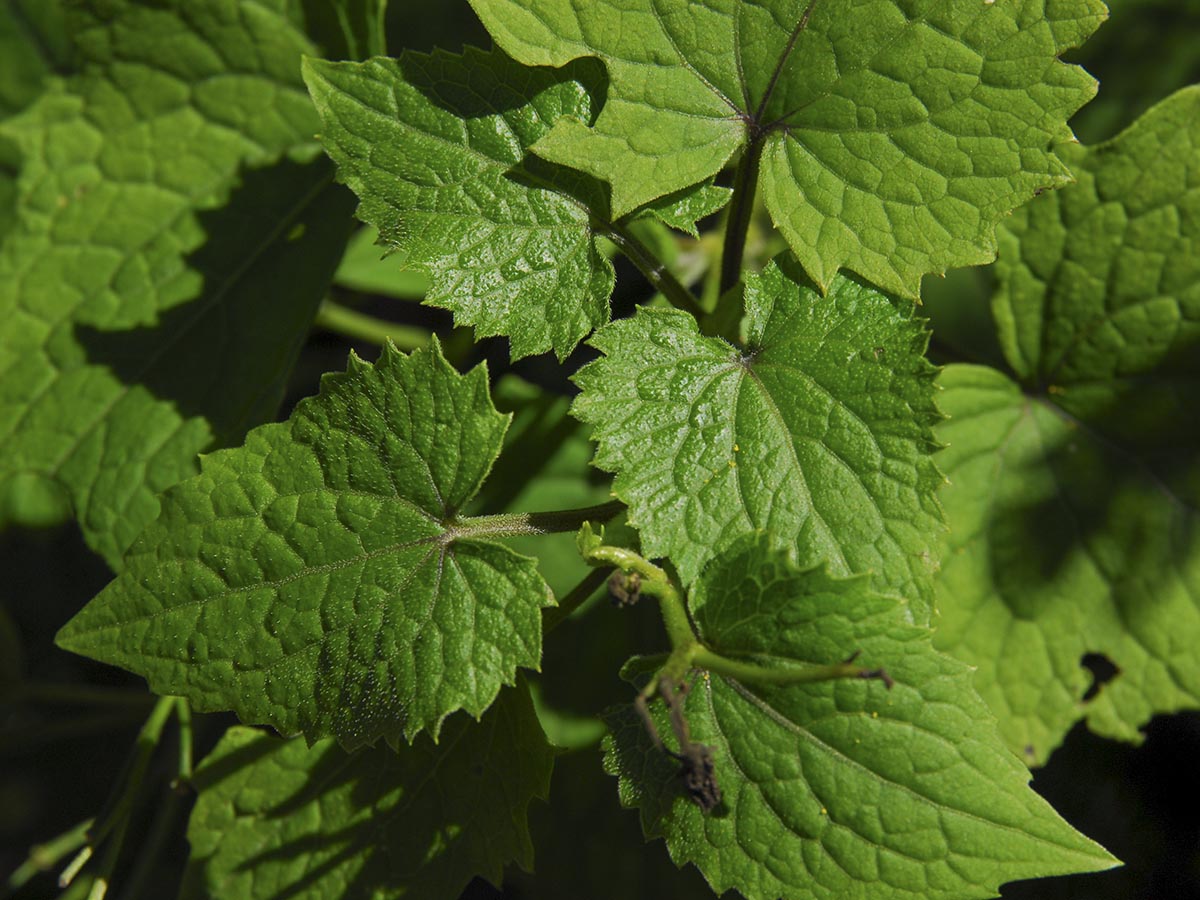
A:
[44,857]
[353,324]
[108,864]
[554,522]
[655,583]
[651,267]
[72,868]
[574,599]
[741,210]
[754,673]
[183,714]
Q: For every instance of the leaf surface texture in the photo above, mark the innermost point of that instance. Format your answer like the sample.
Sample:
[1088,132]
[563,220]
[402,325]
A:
[894,135]
[1073,507]
[319,578]
[174,234]
[433,147]
[278,818]
[839,789]
[817,431]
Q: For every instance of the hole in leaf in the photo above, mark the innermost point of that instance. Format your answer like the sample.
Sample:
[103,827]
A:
[1103,671]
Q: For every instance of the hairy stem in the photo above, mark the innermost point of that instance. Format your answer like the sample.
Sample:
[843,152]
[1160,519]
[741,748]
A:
[741,210]
[353,324]
[552,522]
[655,583]
[650,266]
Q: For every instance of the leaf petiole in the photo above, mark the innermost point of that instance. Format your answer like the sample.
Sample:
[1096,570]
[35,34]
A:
[742,670]
[48,855]
[350,323]
[552,522]
[659,276]
[741,211]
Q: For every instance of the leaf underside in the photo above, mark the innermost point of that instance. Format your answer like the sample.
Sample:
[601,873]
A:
[839,789]
[277,818]
[164,265]
[894,135]
[818,431]
[315,579]
[1073,510]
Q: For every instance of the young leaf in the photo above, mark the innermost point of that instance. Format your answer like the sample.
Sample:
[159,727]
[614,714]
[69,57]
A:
[818,431]
[278,818]
[839,788]
[164,266]
[893,135]
[432,146]
[319,578]
[544,465]
[1073,512]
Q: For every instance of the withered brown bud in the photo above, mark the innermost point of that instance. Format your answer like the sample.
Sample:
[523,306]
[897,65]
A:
[699,776]
[625,589]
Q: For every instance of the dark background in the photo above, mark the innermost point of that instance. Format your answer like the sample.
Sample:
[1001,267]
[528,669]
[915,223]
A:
[59,757]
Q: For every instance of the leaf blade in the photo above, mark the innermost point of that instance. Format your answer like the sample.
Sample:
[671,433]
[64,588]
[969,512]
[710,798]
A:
[1073,506]
[840,789]
[809,432]
[876,159]
[314,579]
[508,253]
[276,816]
[151,215]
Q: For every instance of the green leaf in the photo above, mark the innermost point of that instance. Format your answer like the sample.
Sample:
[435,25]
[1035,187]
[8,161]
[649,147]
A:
[279,819]
[433,145]
[684,209]
[1102,281]
[843,788]
[544,465]
[818,431]
[1073,511]
[319,578]
[165,264]
[893,135]
[32,44]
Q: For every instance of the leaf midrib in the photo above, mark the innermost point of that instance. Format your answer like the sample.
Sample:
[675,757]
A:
[803,733]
